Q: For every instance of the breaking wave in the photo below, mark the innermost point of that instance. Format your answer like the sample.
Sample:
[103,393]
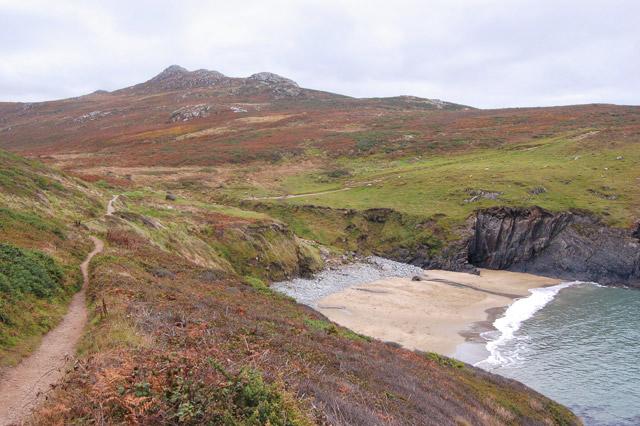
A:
[507,325]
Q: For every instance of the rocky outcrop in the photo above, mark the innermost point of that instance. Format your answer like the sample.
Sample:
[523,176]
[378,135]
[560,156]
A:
[190,112]
[380,231]
[568,245]
[479,194]
[280,86]
[90,116]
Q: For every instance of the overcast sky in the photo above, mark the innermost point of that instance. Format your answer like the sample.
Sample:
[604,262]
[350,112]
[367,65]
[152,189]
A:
[485,53]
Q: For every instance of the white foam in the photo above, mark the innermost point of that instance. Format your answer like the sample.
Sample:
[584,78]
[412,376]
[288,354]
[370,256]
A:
[507,325]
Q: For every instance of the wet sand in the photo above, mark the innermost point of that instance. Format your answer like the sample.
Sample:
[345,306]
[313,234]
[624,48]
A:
[444,313]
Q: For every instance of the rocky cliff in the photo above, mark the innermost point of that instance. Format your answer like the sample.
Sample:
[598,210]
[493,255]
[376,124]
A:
[569,245]
[566,245]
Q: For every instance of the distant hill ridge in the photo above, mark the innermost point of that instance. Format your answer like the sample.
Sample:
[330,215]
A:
[176,77]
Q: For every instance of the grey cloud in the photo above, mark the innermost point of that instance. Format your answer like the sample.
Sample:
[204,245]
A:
[486,53]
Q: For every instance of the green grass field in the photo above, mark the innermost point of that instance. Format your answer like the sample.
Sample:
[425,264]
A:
[603,181]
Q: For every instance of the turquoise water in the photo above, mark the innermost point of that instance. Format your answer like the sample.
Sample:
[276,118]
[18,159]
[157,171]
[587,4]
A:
[578,344]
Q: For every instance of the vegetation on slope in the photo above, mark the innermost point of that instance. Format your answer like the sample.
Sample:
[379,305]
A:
[560,173]
[183,330]
[224,239]
[190,348]
[39,251]
[33,289]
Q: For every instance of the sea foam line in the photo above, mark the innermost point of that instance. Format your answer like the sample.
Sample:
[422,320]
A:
[517,313]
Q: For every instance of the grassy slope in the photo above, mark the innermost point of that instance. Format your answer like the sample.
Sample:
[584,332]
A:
[159,333]
[179,350]
[37,205]
[575,175]
[172,341]
[222,238]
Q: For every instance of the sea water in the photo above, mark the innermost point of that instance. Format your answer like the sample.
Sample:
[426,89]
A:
[577,343]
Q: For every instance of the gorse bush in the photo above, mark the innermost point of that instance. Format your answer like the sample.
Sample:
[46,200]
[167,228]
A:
[331,328]
[243,398]
[25,272]
[444,360]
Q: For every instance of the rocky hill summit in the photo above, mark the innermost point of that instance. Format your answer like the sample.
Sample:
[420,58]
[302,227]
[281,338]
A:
[175,78]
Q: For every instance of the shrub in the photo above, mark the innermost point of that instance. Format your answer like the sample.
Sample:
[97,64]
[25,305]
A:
[243,398]
[28,272]
[367,141]
[125,238]
[443,360]
[331,328]
[257,284]
[338,173]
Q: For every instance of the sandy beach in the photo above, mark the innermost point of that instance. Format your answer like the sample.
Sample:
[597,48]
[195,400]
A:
[436,314]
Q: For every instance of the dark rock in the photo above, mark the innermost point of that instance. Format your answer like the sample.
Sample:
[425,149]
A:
[602,193]
[568,245]
[170,197]
[537,190]
[212,275]
[416,278]
[379,215]
[135,217]
[162,273]
[150,223]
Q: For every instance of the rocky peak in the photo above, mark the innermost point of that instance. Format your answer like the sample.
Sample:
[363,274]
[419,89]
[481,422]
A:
[171,71]
[176,77]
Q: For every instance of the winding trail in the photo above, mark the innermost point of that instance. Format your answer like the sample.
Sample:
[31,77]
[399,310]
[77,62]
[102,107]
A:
[313,194]
[23,387]
[110,209]
[310,194]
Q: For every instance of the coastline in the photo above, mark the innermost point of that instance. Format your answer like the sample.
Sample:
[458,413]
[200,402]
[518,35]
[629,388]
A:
[445,312]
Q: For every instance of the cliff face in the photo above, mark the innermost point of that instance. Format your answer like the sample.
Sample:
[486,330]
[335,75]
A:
[566,245]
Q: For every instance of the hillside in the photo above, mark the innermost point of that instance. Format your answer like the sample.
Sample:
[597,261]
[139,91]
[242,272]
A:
[40,250]
[183,328]
[227,184]
[264,143]
[200,117]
